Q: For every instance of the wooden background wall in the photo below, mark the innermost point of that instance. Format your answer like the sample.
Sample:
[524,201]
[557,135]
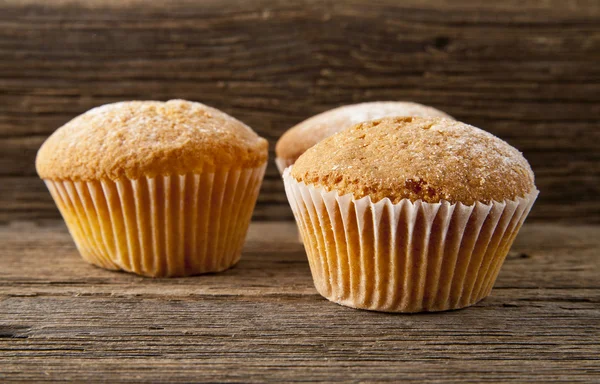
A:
[528,72]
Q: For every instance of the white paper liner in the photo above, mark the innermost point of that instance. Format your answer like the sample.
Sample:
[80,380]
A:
[404,257]
[173,225]
[282,164]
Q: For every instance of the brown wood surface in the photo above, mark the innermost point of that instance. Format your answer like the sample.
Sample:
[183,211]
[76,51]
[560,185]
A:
[63,319]
[525,70]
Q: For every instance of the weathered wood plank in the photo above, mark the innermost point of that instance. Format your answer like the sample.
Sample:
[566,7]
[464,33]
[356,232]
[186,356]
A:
[62,319]
[526,71]
[300,339]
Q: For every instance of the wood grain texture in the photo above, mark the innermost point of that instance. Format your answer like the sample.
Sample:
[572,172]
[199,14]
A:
[63,319]
[526,71]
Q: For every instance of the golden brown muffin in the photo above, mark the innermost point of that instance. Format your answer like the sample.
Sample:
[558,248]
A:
[146,138]
[428,159]
[409,214]
[304,135]
[155,188]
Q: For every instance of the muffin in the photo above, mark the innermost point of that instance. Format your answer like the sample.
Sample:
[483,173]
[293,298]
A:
[409,214]
[155,188]
[301,137]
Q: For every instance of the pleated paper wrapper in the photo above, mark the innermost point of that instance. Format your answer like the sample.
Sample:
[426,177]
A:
[172,225]
[404,257]
[282,164]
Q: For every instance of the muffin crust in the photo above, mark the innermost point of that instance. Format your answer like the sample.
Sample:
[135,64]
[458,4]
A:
[147,138]
[301,137]
[428,159]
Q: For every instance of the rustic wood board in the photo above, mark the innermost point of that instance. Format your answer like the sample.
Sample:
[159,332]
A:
[525,70]
[63,319]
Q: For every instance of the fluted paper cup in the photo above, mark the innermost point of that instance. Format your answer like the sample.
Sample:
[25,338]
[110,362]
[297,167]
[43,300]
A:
[171,225]
[404,257]
[282,164]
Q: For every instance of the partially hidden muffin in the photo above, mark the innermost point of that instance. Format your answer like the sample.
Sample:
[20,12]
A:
[155,188]
[295,141]
[409,214]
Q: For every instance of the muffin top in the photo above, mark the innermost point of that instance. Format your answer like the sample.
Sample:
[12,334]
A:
[301,137]
[428,159]
[136,139]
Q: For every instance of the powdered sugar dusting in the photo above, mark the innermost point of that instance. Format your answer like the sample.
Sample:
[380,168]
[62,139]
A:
[418,158]
[128,136]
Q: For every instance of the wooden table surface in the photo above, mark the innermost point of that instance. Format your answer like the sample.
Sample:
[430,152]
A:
[63,319]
